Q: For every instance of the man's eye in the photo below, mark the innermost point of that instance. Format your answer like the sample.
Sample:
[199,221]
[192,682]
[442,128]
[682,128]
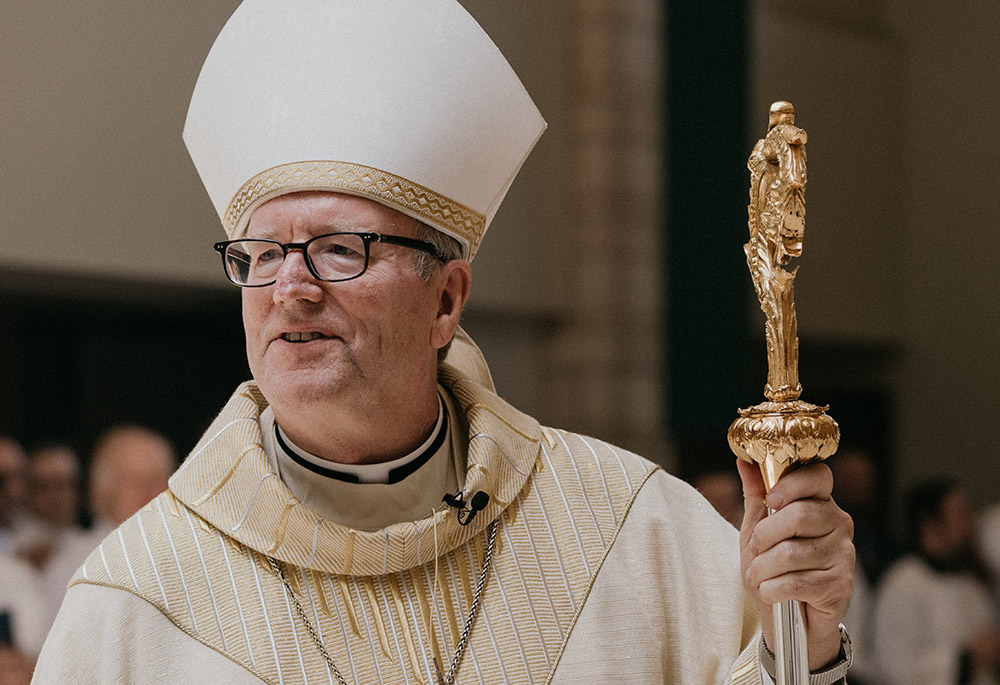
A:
[268,256]
[340,250]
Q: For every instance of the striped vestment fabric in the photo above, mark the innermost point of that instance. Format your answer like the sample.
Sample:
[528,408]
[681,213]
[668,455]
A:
[390,605]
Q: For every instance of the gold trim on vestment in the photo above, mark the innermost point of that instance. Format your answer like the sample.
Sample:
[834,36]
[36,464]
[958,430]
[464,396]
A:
[349,551]
[404,619]
[234,544]
[376,609]
[425,611]
[279,536]
[464,574]
[444,598]
[400,193]
[348,603]
[480,405]
[292,577]
[319,591]
[748,670]
[229,474]
[172,504]
[481,469]
[250,396]
[480,550]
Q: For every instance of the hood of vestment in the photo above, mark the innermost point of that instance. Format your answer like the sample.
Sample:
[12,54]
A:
[228,481]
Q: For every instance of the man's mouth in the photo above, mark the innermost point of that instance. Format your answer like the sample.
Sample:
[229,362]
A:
[297,336]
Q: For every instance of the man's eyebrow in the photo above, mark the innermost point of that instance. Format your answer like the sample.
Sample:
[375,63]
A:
[265,233]
[271,233]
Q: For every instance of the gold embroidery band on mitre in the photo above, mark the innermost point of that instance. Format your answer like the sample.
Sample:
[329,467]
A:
[357,179]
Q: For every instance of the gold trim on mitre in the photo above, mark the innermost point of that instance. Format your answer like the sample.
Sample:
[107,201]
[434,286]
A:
[410,198]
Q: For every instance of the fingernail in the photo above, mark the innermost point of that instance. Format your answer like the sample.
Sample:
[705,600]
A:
[753,548]
[775,501]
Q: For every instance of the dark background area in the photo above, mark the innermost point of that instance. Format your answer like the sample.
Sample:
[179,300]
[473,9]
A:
[78,355]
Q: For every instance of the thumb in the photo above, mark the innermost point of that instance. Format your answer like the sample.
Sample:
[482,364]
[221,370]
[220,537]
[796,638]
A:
[753,494]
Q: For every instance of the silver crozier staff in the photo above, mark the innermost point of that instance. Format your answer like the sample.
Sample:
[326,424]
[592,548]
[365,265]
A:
[782,431]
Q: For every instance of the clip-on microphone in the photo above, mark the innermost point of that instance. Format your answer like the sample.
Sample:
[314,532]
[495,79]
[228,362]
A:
[467,511]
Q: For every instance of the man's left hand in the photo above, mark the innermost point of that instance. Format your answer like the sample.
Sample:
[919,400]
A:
[803,551]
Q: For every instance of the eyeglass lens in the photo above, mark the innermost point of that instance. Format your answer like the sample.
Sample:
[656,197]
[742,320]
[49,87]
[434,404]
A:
[336,257]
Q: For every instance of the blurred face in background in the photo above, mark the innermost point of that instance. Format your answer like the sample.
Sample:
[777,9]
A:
[950,534]
[12,485]
[131,466]
[724,492]
[54,479]
[855,483]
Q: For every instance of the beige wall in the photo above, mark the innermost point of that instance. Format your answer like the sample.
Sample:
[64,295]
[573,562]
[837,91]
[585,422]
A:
[950,384]
[900,100]
[96,179]
[840,68]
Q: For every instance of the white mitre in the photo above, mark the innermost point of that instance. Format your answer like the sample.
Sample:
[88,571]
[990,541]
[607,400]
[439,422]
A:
[406,102]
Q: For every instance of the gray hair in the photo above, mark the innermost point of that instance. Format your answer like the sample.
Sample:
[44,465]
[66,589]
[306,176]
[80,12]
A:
[447,248]
[426,264]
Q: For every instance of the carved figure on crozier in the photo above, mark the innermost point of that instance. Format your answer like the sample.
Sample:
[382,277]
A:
[777,224]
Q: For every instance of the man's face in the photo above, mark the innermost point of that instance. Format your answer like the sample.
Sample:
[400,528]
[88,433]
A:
[374,332]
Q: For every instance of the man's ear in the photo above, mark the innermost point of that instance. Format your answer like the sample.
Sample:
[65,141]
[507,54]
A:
[455,282]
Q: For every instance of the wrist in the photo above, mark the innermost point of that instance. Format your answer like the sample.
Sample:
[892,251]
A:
[833,671]
[825,651]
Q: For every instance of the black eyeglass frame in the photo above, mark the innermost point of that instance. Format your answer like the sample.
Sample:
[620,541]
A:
[366,238]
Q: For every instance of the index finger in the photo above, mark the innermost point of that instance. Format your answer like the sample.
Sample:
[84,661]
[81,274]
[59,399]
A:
[809,481]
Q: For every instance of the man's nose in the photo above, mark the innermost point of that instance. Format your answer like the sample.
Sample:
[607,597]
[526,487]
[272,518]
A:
[294,281]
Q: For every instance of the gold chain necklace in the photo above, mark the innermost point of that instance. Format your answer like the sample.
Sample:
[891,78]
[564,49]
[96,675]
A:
[449,679]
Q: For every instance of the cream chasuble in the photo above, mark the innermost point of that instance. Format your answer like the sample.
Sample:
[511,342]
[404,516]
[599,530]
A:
[606,569]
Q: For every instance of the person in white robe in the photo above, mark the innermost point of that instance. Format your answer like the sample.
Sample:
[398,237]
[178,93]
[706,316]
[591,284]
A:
[367,509]
[22,617]
[13,490]
[935,620]
[54,543]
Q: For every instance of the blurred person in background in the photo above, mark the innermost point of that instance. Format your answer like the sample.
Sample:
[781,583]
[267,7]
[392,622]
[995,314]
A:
[724,492]
[935,621]
[858,490]
[130,466]
[53,501]
[988,544]
[58,544]
[22,628]
[15,667]
[22,617]
[12,493]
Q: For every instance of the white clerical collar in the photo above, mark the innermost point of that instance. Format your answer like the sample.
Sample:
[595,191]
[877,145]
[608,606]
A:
[385,472]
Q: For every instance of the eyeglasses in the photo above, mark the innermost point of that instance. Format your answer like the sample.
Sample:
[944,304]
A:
[254,262]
